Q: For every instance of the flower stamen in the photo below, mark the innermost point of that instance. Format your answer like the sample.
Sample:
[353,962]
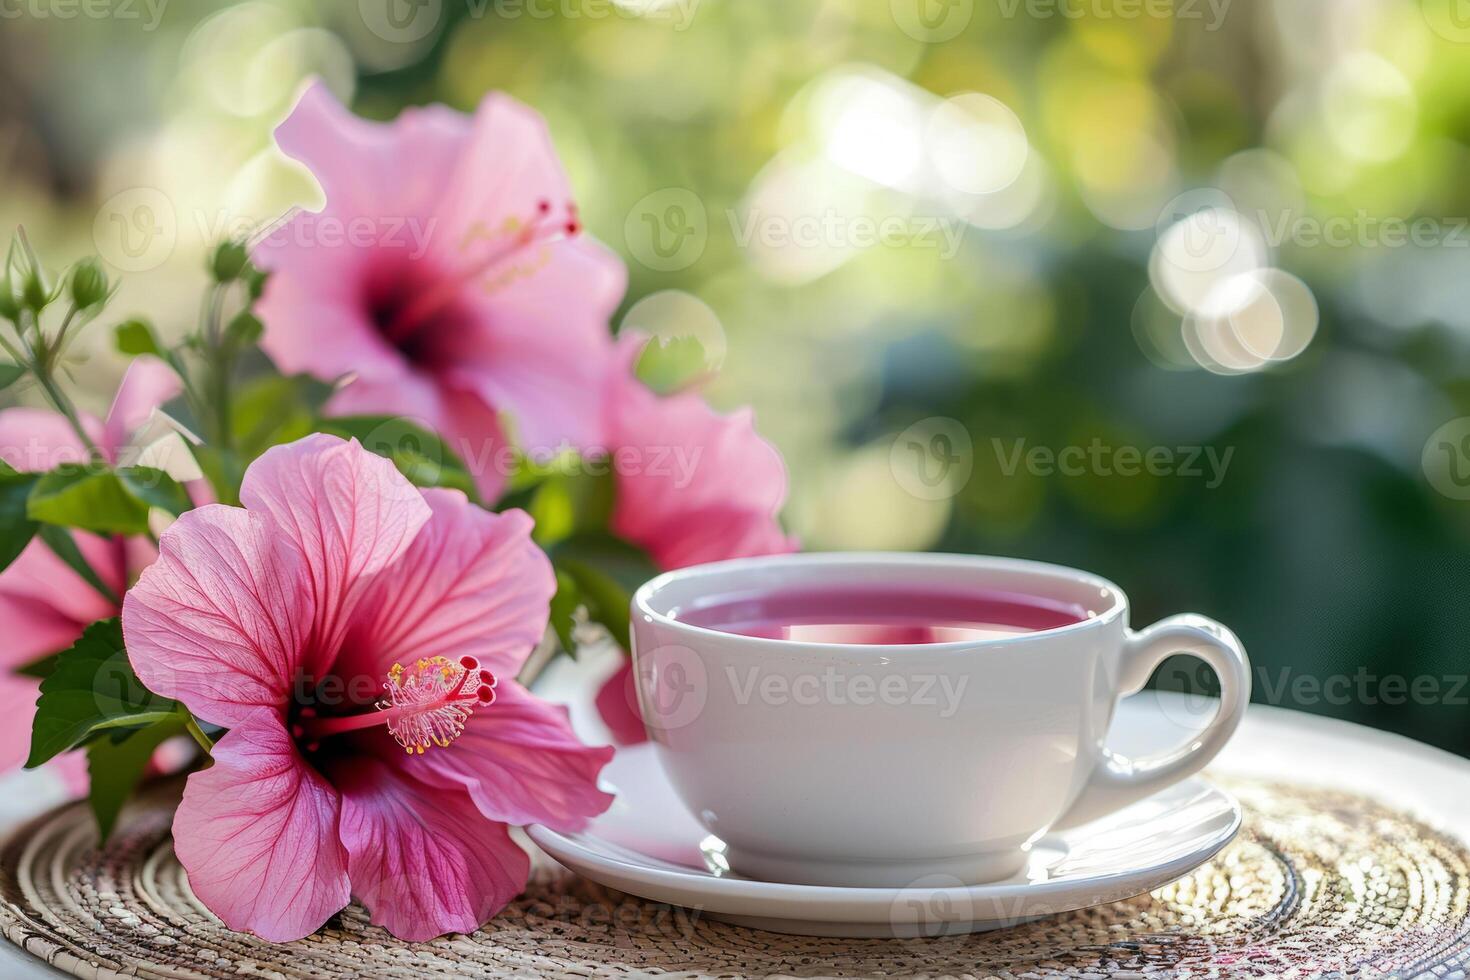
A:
[542,227]
[426,703]
[429,702]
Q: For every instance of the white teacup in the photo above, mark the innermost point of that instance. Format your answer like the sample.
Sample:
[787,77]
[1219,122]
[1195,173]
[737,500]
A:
[869,765]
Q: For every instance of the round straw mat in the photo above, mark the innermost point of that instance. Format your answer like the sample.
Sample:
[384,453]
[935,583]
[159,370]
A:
[1317,884]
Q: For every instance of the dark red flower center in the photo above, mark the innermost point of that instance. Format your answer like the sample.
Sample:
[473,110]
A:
[420,307]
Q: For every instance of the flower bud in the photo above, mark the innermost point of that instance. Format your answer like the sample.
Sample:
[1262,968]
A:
[9,301]
[89,286]
[228,261]
[35,292]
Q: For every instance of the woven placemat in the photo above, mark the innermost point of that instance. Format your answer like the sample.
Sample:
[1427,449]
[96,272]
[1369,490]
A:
[1318,884]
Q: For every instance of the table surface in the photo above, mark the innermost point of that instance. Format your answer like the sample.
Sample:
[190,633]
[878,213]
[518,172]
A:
[1272,743]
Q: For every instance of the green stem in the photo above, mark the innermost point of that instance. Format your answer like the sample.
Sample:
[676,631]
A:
[205,742]
[15,353]
[42,370]
[65,407]
[60,341]
[218,374]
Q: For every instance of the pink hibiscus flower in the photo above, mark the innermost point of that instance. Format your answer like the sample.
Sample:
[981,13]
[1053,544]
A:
[44,604]
[446,274]
[285,621]
[692,486]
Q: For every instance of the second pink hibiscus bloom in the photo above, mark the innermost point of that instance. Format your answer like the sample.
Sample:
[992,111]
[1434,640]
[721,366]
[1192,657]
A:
[447,274]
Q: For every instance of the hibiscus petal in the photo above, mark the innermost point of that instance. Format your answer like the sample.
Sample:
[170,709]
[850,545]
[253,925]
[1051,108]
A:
[506,167]
[45,604]
[423,861]
[147,384]
[520,762]
[220,620]
[693,485]
[34,440]
[398,169]
[32,627]
[469,427]
[306,333]
[257,832]
[17,708]
[514,354]
[350,512]
[473,583]
[617,705]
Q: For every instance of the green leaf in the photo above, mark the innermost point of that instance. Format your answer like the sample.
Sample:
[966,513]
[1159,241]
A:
[92,689]
[270,410]
[116,767]
[605,571]
[605,598]
[155,488]
[244,329]
[419,454]
[10,374]
[669,365]
[94,498]
[16,527]
[60,541]
[136,337]
[40,668]
[89,497]
[223,470]
[564,606]
[567,504]
[627,564]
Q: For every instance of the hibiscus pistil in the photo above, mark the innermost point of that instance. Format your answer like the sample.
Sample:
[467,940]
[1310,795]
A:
[427,703]
[543,228]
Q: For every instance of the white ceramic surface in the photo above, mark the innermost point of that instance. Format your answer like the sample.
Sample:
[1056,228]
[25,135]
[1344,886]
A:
[649,845]
[877,765]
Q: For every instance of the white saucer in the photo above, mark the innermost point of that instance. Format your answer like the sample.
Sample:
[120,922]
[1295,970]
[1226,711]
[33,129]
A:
[649,845]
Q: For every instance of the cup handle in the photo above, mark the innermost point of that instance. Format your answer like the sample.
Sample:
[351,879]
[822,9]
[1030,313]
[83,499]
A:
[1119,781]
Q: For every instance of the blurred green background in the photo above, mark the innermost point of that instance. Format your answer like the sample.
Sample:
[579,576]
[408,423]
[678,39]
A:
[1175,291]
